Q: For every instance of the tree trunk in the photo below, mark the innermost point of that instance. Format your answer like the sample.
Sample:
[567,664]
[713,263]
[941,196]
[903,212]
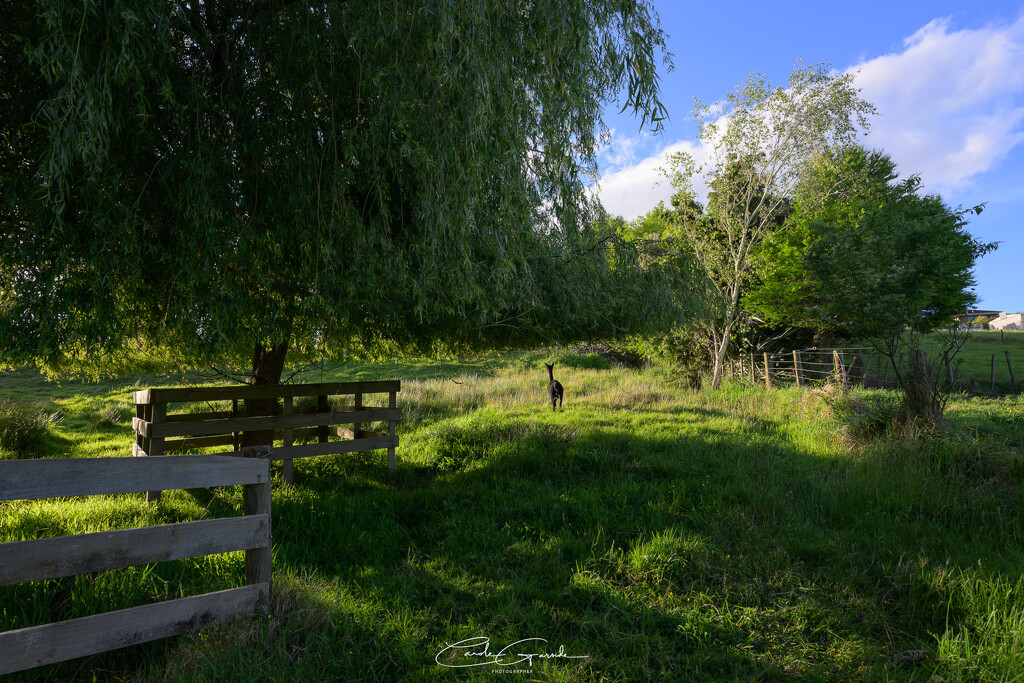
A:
[723,347]
[731,316]
[267,366]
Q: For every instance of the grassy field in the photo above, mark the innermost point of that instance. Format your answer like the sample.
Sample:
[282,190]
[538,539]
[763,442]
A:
[973,365]
[645,532]
[975,361]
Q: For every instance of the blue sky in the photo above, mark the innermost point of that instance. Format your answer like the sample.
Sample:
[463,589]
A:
[947,79]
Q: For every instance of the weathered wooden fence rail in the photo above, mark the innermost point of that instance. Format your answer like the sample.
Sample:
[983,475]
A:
[49,558]
[298,412]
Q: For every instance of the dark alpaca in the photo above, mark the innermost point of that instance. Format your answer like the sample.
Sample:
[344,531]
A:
[554,387]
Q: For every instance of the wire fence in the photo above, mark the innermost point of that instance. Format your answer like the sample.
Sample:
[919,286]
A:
[863,366]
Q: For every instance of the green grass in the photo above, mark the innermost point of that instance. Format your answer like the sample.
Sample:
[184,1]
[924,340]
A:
[975,360]
[662,534]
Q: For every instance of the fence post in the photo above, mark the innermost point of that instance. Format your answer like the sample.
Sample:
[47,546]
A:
[140,442]
[751,368]
[157,414]
[1009,366]
[839,367]
[288,465]
[256,501]
[392,403]
[236,435]
[357,427]
[767,373]
[797,369]
[322,407]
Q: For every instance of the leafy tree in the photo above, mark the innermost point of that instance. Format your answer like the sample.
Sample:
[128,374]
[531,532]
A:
[656,224]
[839,185]
[867,256]
[658,239]
[228,181]
[760,143]
[904,270]
[864,253]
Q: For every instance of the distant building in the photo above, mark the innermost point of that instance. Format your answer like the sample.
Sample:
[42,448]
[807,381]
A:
[1013,321]
[972,314]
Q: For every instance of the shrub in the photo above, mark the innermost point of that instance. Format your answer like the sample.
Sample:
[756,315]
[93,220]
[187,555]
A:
[589,361]
[688,354]
[460,444]
[622,355]
[25,430]
[866,415]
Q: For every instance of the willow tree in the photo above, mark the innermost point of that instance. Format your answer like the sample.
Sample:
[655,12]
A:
[760,142]
[219,181]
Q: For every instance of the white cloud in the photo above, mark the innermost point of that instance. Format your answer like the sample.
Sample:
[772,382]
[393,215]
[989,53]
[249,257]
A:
[632,192]
[620,152]
[951,104]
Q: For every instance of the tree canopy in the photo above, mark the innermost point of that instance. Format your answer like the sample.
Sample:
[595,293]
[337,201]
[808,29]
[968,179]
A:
[212,177]
[864,253]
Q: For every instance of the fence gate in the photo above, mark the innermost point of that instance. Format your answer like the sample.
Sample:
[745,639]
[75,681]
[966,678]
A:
[309,412]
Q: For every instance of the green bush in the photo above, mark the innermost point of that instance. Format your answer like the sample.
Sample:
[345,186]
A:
[866,415]
[463,443]
[605,356]
[688,354]
[589,361]
[25,430]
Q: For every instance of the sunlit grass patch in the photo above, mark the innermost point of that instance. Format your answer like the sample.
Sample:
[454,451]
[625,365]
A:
[663,534]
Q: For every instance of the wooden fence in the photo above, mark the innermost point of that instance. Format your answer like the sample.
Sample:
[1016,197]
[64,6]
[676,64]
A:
[158,432]
[852,366]
[815,366]
[49,558]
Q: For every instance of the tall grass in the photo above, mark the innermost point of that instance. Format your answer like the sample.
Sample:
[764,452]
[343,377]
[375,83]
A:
[25,430]
[650,532]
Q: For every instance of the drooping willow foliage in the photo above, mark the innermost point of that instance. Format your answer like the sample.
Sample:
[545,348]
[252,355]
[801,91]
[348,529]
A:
[204,177]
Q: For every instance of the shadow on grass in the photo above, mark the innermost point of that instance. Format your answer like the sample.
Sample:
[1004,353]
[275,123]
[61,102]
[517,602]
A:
[716,554]
[46,445]
[711,553]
